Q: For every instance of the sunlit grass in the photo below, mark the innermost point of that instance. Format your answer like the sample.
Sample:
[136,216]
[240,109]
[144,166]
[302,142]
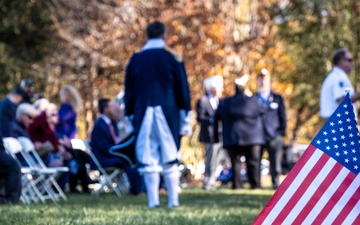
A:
[223,206]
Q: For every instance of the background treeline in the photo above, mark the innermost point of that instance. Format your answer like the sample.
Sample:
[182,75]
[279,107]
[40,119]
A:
[87,43]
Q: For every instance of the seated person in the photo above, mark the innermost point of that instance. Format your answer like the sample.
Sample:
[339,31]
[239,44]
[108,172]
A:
[105,135]
[8,107]
[10,172]
[71,104]
[42,134]
[25,114]
[58,152]
[225,175]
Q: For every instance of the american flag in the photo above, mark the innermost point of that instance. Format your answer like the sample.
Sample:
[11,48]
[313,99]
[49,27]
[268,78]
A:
[324,186]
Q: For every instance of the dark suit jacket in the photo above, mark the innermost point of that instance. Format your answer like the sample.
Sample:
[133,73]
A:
[7,113]
[205,117]
[16,129]
[241,121]
[274,117]
[101,141]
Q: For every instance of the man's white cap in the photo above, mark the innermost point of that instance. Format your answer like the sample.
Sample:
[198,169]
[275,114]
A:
[242,81]
[213,82]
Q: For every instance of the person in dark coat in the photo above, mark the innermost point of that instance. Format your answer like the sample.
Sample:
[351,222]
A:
[274,124]
[205,111]
[157,97]
[10,173]
[25,115]
[104,135]
[30,95]
[242,132]
[8,108]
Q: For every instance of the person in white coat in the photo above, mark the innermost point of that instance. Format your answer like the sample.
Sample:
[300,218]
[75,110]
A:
[337,84]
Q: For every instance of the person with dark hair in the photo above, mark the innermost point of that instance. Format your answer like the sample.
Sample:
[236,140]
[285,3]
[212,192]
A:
[27,86]
[157,97]
[8,108]
[104,135]
[10,173]
[155,30]
[337,82]
[29,94]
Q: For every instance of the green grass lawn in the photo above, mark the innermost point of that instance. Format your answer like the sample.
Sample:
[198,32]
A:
[223,206]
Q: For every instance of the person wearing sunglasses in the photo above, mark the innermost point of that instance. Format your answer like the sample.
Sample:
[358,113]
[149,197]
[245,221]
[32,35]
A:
[337,83]
[25,114]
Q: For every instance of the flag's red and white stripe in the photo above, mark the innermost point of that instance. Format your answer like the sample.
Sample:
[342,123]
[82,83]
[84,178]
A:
[318,190]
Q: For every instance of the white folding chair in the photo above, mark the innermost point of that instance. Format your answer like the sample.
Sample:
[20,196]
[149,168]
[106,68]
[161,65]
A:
[125,150]
[30,182]
[113,150]
[111,178]
[49,174]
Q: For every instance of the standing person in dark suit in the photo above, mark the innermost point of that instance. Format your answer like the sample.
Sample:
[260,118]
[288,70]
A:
[104,135]
[274,123]
[10,172]
[242,132]
[157,97]
[205,109]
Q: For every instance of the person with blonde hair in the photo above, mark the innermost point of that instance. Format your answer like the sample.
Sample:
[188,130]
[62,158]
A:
[71,104]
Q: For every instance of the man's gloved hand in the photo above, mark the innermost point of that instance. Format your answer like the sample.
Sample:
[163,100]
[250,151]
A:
[128,125]
[185,123]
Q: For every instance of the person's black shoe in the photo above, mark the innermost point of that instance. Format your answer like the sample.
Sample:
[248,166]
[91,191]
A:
[75,192]
[91,181]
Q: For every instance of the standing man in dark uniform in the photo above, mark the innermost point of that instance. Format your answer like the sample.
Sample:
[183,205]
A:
[242,132]
[205,111]
[157,99]
[274,123]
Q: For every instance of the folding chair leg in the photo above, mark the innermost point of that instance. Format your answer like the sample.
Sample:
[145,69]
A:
[108,182]
[58,189]
[123,183]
